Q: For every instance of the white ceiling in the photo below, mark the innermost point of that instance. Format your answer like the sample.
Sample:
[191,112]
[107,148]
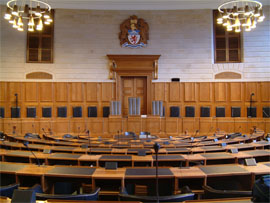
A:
[136,4]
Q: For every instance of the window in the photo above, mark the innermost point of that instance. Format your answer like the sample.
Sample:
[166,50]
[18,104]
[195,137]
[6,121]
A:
[40,44]
[227,43]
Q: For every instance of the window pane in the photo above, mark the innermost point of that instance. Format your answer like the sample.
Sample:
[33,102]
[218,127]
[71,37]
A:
[221,55]
[33,42]
[46,42]
[220,43]
[46,55]
[33,54]
[233,42]
[233,55]
[220,30]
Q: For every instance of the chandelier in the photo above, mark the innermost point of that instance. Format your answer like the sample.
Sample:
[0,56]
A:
[240,14]
[35,13]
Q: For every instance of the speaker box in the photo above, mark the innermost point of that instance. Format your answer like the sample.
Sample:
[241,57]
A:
[31,112]
[175,79]
[205,111]
[220,111]
[2,112]
[92,111]
[77,111]
[174,111]
[15,112]
[62,111]
[106,111]
[25,196]
[250,162]
[252,112]
[46,112]
[236,112]
[111,165]
[190,111]
[234,150]
[266,112]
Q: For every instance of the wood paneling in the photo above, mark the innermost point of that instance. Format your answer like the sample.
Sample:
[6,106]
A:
[31,96]
[265,91]
[190,93]
[3,93]
[220,92]
[174,91]
[46,91]
[76,92]
[61,92]
[235,91]
[159,91]
[205,91]
[91,91]
[251,87]
[107,93]
[15,88]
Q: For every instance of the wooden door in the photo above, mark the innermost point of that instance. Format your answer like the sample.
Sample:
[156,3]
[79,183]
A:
[134,87]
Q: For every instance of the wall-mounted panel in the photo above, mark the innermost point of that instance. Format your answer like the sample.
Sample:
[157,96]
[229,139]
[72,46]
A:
[106,91]
[205,91]
[235,91]
[46,91]
[190,91]
[174,91]
[3,93]
[265,91]
[160,91]
[61,91]
[31,93]
[251,87]
[15,88]
[220,92]
[91,91]
[76,91]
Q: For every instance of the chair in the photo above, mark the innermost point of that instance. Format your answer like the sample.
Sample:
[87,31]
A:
[174,111]
[211,193]
[124,196]
[7,191]
[2,112]
[91,196]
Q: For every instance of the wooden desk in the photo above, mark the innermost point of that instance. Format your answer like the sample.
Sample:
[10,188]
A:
[148,159]
[89,160]
[227,200]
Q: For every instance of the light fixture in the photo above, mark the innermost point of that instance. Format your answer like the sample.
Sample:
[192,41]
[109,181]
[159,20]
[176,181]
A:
[30,10]
[245,13]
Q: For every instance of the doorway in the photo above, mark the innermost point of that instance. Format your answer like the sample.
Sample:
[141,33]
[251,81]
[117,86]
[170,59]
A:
[134,86]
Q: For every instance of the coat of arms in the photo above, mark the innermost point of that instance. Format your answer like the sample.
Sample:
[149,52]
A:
[134,33]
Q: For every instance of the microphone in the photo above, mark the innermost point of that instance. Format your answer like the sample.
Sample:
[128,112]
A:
[89,141]
[25,143]
[197,131]
[14,130]
[252,94]
[156,148]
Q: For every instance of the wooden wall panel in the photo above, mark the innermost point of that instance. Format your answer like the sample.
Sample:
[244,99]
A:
[46,91]
[76,91]
[159,91]
[31,92]
[107,93]
[15,88]
[61,91]
[91,91]
[190,92]
[174,91]
[251,87]
[235,91]
[265,91]
[220,92]
[205,91]
[3,91]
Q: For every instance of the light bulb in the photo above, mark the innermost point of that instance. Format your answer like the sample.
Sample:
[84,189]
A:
[8,14]
[15,24]
[40,25]
[20,23]
[257,12]
[262,17]
[248,28]
[31,28]
[238,29]
[20,28]
[15,10]
[253,23]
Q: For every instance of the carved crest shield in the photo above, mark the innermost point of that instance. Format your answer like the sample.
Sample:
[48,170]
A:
[134,33]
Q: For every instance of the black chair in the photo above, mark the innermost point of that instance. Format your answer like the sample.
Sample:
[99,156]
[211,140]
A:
[174,111]
[91,196]
[2,112]
[236,111]
[190,111]
[92,111]
[220,111]
[62,111]
[211,193]
[46,112]
[31,112]
[124,196]
[7,191]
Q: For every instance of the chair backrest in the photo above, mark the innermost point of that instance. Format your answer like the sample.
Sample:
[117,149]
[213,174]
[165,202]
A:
[7,191]
[211,193]
[91,196]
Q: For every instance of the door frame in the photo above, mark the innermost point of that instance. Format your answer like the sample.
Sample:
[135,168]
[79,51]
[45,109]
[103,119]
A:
[119,88]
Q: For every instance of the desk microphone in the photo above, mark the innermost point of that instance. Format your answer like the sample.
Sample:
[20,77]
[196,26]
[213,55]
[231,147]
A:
[89,141]
[156,148]
[25,143]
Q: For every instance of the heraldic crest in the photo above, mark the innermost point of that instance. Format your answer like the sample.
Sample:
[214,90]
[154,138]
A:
[134,32]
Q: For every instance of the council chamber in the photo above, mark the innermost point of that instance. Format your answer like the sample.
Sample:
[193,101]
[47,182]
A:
[135,101]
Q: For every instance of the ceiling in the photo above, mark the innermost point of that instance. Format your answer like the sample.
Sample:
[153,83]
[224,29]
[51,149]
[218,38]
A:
[136,4]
